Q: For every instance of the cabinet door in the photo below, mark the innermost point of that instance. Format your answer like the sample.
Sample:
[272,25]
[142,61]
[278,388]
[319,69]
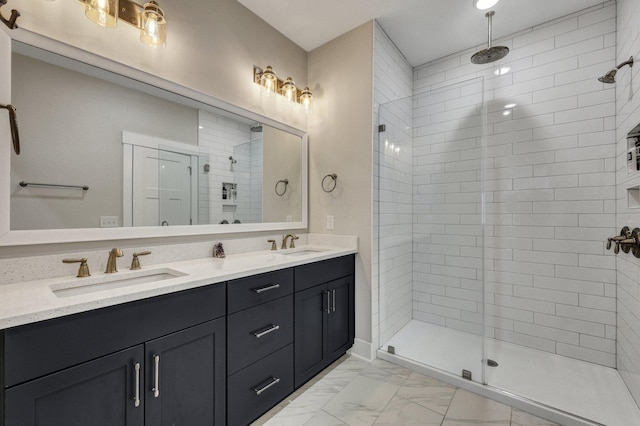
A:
[96,393]
[186,377]
[310,332]
[339,318]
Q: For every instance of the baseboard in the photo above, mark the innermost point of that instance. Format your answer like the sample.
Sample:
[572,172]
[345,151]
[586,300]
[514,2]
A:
[363,350]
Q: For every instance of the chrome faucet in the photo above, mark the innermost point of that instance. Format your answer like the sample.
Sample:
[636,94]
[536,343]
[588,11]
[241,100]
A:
[284,241]
[111,262]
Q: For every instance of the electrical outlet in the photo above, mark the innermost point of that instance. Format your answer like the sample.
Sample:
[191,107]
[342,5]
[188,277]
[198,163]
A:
[109,222]
[330,222]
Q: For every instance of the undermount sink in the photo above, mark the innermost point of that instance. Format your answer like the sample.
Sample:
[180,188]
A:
[81,286]
[302,252]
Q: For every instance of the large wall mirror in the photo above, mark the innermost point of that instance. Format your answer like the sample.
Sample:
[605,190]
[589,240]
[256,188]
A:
[101,150]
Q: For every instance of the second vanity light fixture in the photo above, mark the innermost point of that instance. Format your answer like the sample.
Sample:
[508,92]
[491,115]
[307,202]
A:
[270,82]
[148,18]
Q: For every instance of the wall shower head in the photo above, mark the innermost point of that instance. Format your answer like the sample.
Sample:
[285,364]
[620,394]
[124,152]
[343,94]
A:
[610,77]
[232,160]
[490,54]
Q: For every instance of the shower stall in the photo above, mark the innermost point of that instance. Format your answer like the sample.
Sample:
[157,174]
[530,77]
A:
[492,259]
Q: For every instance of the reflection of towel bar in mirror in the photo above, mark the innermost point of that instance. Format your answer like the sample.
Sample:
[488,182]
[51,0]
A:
[286,184]
[53,185]
[334,178]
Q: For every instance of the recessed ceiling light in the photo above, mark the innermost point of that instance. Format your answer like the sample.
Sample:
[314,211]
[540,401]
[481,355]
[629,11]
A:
[484,4]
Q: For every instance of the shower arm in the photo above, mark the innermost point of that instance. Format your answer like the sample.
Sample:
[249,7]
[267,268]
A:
[490,16]
[627,62]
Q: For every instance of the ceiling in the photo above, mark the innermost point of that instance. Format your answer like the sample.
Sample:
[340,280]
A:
[423,30]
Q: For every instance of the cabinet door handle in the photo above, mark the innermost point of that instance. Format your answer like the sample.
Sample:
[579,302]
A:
[267,288]
[328,293]
[273,381]
[136,396]
[333,300]
[156,376]
[266,331]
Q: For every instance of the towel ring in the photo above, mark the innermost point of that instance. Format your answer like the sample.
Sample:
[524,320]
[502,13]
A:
[286,184]
[334,177]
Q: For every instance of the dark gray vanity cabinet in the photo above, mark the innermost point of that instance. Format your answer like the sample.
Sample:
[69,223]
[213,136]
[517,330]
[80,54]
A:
[259,343]
[324,315]
[214,355]
[157,361]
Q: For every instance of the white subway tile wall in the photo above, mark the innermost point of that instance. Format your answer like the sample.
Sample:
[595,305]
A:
[392,196]
[628,276]
[224,138]
[548,171]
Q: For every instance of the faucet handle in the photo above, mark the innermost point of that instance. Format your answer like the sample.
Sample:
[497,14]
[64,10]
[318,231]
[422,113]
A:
[135,262]
[273,244]
[83,270]
[293,238]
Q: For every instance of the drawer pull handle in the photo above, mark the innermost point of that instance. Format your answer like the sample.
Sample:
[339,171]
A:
[136,396]
[156,376]
[328,293]
[266,331]
[273,381]
[267,288]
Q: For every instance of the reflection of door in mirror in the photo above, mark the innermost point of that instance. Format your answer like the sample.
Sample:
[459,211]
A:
[161,187]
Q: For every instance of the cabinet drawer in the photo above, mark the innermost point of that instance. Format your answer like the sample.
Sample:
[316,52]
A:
[257,388]
[251,291]
[35,350]
[312,274]
[256,332]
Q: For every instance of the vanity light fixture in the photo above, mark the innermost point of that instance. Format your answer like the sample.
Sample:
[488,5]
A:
[102,12]
[148,18]
[270,82]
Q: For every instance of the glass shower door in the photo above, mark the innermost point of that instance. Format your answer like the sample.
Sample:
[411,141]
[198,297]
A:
[431,228]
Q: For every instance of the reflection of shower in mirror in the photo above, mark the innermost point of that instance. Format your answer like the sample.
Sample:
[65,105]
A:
[232,161]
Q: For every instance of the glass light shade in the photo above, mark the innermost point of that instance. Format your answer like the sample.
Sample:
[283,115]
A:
[102,12]
[268,80]
[154,27]
[484,4]
[306,99]
[289,90]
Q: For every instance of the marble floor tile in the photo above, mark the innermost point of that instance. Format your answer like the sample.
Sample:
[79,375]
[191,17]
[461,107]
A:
[427,392]
[354,392]
[362,400]
[322,418]
[469,407]
[404,412]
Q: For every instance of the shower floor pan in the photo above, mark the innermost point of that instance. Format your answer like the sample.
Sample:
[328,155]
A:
[583,389]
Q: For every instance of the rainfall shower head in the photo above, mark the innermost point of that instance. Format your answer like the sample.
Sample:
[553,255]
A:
[610,77]
[490,54]
[233,160]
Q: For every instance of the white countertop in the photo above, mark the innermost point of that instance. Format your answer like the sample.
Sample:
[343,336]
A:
[32,301]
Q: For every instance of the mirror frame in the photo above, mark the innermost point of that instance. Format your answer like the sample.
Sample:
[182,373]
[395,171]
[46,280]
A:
[51,50]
